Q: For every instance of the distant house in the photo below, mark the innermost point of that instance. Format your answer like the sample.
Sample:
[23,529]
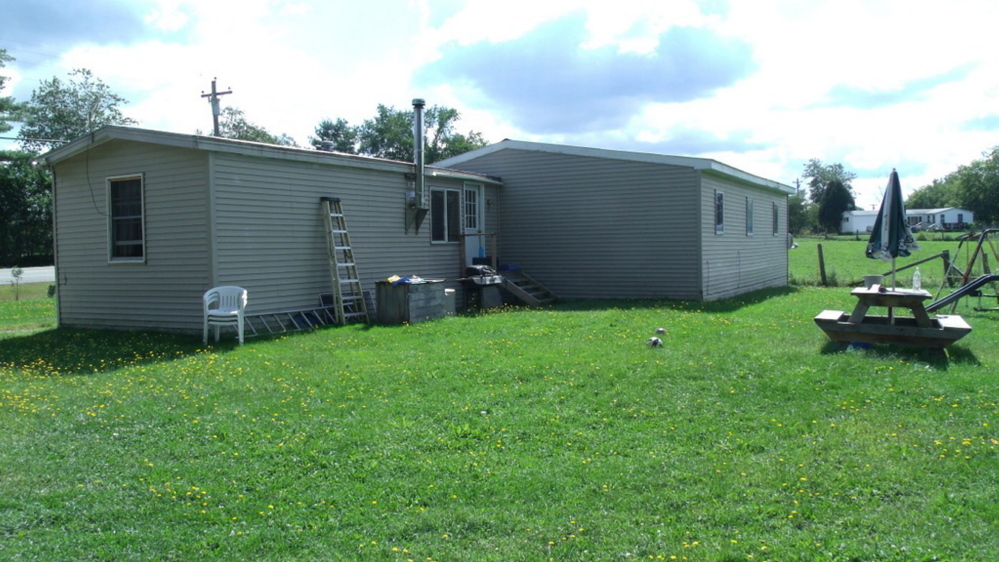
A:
[858,222]
[146,221]
[594,223]
[949,218]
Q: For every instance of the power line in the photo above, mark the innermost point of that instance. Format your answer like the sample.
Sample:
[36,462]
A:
[28,139]
[31,55]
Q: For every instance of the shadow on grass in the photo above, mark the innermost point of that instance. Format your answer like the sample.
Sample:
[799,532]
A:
[940,359]
[724,305]
[74,352]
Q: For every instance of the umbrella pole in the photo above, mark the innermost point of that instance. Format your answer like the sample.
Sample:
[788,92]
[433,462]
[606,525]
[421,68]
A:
[891,315]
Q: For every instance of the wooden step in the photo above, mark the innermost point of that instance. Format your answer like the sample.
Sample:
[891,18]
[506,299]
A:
[527,289]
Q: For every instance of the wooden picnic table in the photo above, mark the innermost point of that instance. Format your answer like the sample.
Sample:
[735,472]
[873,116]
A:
[911,299]
[919,330]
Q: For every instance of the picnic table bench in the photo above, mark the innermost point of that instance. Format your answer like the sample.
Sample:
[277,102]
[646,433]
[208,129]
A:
[918,330]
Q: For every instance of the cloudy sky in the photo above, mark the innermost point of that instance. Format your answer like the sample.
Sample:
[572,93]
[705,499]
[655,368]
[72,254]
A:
[761,85]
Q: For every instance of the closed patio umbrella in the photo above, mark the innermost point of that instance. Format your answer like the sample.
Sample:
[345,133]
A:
[891,236]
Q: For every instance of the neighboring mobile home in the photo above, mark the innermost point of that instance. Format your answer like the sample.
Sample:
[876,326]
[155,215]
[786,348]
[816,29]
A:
[593,223]
[146,221]
[858,222]
[948,218]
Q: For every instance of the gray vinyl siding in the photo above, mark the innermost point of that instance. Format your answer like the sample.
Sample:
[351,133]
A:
[734,262]
[598,228]
[164,292]
[270,237]
[215,217]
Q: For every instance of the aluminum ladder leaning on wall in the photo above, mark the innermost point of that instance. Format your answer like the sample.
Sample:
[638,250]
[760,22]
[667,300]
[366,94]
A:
[348,298]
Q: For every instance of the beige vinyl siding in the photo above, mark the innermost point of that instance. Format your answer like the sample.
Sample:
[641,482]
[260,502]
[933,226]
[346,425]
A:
[163,292]
[734,262]
[270,238]
[598,228]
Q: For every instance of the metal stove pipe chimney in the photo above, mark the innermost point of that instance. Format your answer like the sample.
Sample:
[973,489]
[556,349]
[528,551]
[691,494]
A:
[418,151]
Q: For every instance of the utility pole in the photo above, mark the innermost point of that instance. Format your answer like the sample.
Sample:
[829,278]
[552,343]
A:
[215,105]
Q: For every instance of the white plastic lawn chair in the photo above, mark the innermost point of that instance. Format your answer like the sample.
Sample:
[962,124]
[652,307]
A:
[224,306]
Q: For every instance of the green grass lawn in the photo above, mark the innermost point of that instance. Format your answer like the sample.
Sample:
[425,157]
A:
[32,311]
[23,291]
[517,435]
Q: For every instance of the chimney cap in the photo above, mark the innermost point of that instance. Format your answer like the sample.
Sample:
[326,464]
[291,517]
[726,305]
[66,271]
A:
[419,102]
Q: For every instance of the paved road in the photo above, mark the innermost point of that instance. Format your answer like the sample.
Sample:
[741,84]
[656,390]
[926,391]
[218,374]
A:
[31,275]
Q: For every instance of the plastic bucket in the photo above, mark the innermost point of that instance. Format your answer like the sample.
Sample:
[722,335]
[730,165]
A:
[872,280]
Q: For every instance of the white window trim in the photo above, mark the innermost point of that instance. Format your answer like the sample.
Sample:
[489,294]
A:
[110,218]
[479,210]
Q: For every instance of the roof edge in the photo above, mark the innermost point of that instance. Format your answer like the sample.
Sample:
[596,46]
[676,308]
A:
[703,164]
[249,148]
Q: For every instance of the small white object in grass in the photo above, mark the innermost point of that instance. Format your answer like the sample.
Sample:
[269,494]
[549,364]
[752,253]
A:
[660,330]
[655,342]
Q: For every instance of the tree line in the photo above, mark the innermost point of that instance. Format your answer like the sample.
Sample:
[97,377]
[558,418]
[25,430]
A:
[60,111]
[973,186]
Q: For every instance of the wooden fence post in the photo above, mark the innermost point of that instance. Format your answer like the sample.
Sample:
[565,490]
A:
[822,267]
[946,263]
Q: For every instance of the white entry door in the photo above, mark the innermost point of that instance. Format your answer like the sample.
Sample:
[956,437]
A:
[474,219]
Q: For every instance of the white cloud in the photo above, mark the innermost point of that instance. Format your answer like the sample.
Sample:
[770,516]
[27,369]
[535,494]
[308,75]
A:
[169,16]
[291,63]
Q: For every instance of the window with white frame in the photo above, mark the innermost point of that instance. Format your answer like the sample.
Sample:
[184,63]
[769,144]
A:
[719,212]
[472,219]
[126,221]
[445,215]
[749,217]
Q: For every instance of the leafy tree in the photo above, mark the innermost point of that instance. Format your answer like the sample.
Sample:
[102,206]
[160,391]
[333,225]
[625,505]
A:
[9,109]
[801,214]
[820,175]
[443,141]
[25,209]
[836,198]
[978,187]
[234,125]
[339,132]
[62,111]
[390,135]
[939,194]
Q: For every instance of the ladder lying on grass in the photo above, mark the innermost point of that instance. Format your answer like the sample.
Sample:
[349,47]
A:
[348,297]
[289,321]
